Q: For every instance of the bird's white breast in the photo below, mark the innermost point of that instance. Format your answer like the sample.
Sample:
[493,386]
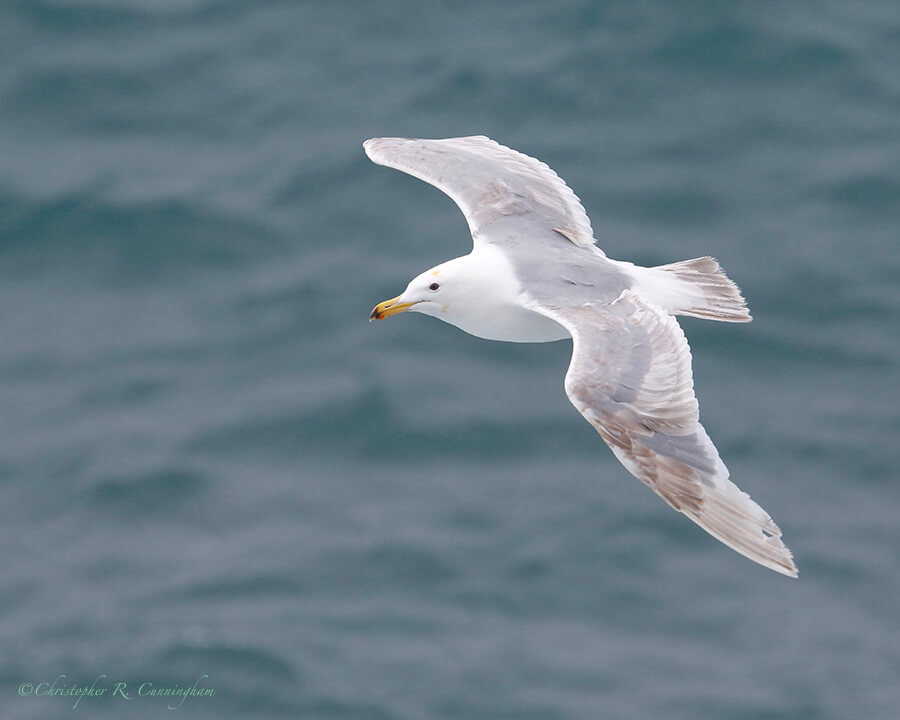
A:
[493,305]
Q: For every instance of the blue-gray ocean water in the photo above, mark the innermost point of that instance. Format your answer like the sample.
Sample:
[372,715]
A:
[216,473]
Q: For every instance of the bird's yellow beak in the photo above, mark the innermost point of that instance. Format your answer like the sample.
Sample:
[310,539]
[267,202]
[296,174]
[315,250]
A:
[388,308]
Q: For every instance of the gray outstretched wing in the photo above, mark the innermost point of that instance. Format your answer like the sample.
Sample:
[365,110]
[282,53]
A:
[488,181]
[630,376]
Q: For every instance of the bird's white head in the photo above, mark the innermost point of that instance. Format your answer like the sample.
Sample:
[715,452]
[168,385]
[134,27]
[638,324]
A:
[438,291]
[478,293]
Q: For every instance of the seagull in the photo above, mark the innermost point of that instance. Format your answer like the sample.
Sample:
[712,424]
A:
[535,274]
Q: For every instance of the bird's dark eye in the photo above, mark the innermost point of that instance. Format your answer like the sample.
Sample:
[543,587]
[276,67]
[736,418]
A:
[434,286]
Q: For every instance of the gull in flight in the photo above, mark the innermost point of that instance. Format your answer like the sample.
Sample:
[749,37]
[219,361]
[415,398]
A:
[535,274]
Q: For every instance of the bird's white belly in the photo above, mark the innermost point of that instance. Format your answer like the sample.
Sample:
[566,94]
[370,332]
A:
[509,323]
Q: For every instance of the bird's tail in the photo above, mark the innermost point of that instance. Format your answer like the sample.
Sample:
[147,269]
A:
[697,287]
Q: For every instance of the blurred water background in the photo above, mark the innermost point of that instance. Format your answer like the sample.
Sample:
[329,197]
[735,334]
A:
[212,464]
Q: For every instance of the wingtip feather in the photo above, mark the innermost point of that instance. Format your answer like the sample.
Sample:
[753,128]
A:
[741,524]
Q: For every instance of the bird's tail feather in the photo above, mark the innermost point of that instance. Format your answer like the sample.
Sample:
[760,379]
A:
[697,287]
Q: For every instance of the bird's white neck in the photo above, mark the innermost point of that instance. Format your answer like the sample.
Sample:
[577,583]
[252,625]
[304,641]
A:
[488,301]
